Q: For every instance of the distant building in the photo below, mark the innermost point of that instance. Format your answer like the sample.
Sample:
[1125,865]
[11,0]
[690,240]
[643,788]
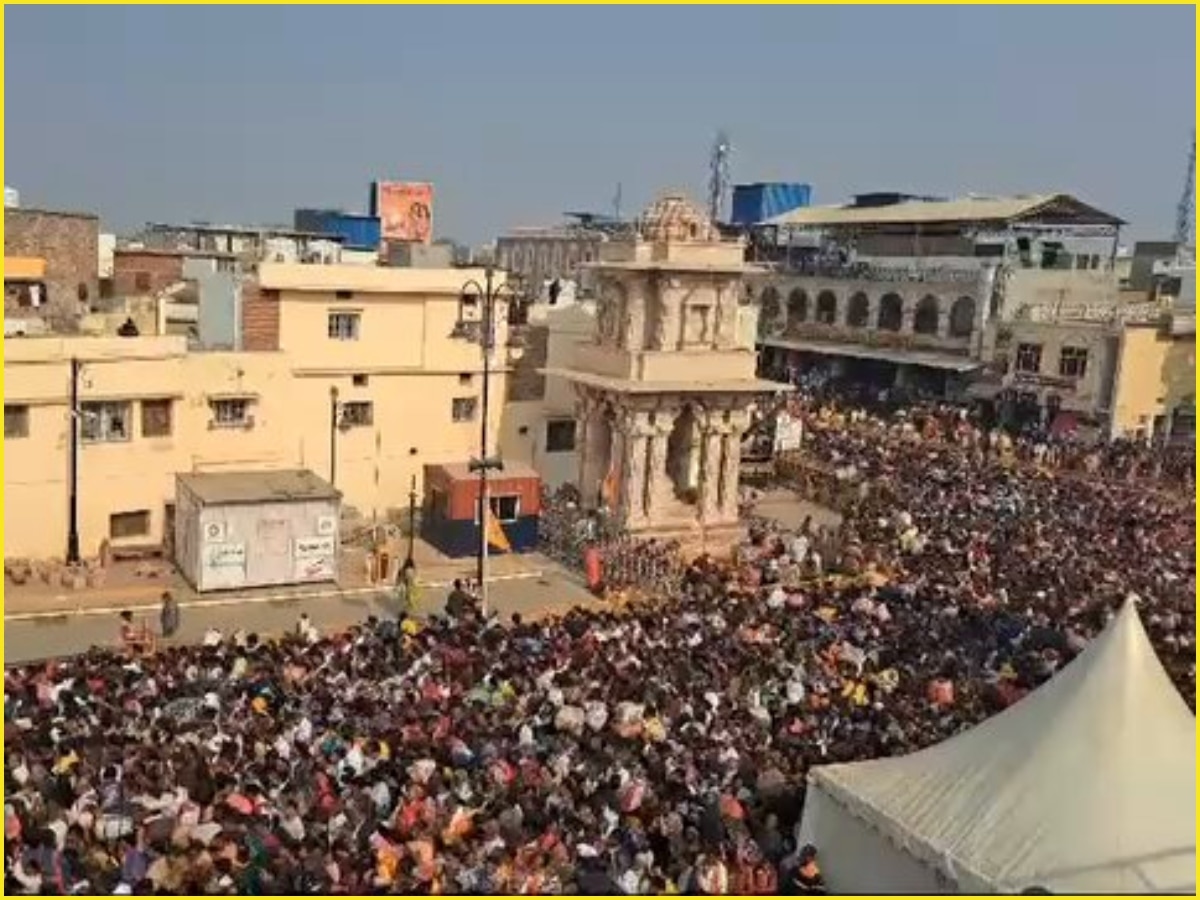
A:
[12,197]
[920,293]
[56,251]
[540,256]
[251,245]
[153,407]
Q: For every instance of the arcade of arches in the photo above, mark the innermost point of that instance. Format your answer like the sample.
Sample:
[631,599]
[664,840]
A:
[928,314]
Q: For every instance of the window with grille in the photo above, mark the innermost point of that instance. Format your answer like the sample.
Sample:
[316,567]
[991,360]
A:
[344,326]
[129,524]
[560,436]
[462,409]
[1029,358]
[231,413]
[16,421]
[156,418]
[1072,362]
[104,422]
[358,413]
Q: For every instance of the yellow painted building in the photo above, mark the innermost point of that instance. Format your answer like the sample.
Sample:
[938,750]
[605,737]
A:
[1154,393]
[408,393]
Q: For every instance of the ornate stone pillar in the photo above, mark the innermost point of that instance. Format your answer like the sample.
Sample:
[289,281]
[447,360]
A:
[666,334]
[710,483]
[736,426]
[586,430]
[873,304]
[637,431]
[908,312]
[659,486]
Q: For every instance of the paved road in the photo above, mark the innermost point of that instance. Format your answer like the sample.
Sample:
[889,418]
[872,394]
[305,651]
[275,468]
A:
[66,635]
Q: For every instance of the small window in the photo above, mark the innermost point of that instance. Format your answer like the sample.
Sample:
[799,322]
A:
[232,413]
[345,295]
[462,409]
[344,326]
[465,378]
[360,380]
[104,422]
[358,413]
[16,421]
[129,524]
[1072,362]
[560,436]
[141,281]
[156,418]
[1029,358]
[506,508]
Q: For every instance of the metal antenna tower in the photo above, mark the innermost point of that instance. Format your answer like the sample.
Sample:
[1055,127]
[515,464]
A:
[1186,210]
[617,203]
[718,175]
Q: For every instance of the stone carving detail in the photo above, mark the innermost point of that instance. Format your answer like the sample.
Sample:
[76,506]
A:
[673,217]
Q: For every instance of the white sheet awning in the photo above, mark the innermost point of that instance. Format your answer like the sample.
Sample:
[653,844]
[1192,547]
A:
[1087,785]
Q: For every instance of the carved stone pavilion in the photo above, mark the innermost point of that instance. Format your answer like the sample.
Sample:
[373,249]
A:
[665,387]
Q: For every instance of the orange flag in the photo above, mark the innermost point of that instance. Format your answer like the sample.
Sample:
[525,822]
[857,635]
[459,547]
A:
[495,533]
[609,488]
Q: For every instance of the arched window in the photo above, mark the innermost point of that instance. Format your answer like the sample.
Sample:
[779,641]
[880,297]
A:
[859,314]
[891,313]
[926,319]
[827,308]
[797,309]
[769,310]
[962,317]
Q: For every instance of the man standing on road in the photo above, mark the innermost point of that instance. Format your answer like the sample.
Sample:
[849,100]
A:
[168,616]
[460,603]
[407,588]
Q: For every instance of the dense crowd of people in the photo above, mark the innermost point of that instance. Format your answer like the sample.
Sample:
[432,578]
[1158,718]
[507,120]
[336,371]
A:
[659,749]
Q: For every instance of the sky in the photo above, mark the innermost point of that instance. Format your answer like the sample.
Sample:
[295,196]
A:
[242,114]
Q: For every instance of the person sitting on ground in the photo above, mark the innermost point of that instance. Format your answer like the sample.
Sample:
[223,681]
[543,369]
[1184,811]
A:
[134,638]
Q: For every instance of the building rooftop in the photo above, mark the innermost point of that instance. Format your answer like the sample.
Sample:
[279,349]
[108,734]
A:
[1046,208]
[368,279]
[250,230]
[283,486]
[461,471]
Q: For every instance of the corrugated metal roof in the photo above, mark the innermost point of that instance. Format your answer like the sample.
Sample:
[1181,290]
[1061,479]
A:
[968,209]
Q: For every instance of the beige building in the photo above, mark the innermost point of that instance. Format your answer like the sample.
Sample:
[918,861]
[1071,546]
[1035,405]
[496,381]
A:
[538,426]
[665,386]
[407,394]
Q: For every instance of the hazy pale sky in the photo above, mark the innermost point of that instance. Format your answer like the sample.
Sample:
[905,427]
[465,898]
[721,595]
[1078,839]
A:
[232,114]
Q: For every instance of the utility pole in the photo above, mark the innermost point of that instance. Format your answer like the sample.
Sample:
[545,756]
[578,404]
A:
[73,476]
[333,430]
[410,561]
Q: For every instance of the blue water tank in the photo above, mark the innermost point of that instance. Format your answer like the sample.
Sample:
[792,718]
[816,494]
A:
[756,203]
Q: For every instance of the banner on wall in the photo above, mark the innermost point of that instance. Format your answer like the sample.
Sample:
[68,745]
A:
[405,211]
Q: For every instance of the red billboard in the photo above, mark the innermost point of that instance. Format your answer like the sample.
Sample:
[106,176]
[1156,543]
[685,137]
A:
[405,210]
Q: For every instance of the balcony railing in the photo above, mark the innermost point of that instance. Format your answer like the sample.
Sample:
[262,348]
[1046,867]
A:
[860,271]
[871,337]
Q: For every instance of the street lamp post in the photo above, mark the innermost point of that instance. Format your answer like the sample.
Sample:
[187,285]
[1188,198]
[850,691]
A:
[482,330]
[73,465]
[410,561]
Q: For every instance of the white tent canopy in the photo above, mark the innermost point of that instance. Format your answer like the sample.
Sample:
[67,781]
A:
[1087,785]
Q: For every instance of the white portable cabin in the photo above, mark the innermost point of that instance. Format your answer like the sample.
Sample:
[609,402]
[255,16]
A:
[256,529]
